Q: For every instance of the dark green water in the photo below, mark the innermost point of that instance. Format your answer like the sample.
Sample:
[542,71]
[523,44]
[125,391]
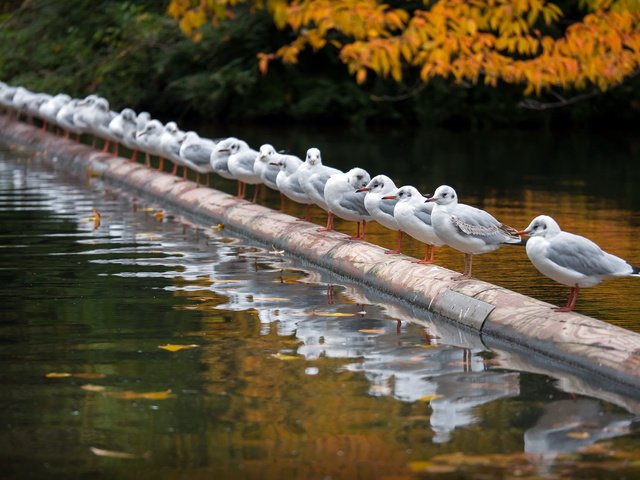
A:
[280,380]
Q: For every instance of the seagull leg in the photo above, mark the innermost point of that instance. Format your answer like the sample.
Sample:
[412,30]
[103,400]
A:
[361,233]
[184,173]
[398,248]
[134,155]
[329,226]
[175,169]
[429,252]
[160,164]
[116,151]
[147,159]
[281,202]
[468,264]
[105,147]
[256,190]
[571,302]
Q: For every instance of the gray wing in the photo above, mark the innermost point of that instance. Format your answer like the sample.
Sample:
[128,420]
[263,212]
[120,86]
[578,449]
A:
[387,206]
[423,213]
[478,223]
[197,153]
[355,203]
[318,181]
[582,255]
[246,160]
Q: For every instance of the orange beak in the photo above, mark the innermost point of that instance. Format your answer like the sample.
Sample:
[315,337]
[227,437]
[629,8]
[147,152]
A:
[522,232]
[363,189]
[389,197]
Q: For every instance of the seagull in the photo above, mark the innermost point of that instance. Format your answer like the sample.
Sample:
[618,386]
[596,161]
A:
[467,229]
[242,158]
[382,210]
[122,128]
[149,139]
[288,180]
[313,176]
[170,142]
[220,156]
[50,108]
[414,217]
[570,259]
[64,118]
[195,152]
[267,164]
[343,199]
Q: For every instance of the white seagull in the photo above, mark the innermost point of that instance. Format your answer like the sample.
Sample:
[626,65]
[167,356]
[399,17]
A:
[195,152]
[570,259]
[414,217]
[288,180]
[241,162]
[313,176]
[343,199]
[467,229]
[382,210]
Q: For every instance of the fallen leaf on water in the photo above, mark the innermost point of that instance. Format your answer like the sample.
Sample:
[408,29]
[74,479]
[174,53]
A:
[430,467]
[57,375]
[428,398]
[159,215]
[93,388]
[218,227]
[130,395]
[176,348]
[76,375]
[578,435]
[111,453]
[371,330]
[282,356]
[93,174]
[88,376]
[333,314]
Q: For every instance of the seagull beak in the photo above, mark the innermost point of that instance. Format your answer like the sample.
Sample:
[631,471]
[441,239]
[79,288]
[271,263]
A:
[389,197]
[522,232]
[363,189]
[430,199]
[224,150]
[275,164]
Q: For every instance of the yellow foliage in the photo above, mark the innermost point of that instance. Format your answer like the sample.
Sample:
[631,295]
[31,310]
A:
[479,40]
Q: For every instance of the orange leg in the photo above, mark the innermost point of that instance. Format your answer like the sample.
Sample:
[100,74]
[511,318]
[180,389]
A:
[571,302]
[329,226]
[398,248]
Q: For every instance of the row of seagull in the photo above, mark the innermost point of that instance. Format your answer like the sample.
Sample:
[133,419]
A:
[436,220]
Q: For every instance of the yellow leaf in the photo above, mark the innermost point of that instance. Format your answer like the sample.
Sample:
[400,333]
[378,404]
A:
[371,330]
[429,398]
[129,395]
[361,76]
[57,375]
[332,314]
[176,348]
[93,388]
[578,435]
[159,215]
[430,467]
[282,356]
[111,453]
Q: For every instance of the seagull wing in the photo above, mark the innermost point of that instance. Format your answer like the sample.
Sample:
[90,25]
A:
[583,256]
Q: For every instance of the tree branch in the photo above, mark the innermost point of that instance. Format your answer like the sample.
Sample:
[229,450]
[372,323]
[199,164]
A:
[563,102]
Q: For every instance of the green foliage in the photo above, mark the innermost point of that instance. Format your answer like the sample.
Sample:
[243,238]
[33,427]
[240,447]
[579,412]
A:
[133,54]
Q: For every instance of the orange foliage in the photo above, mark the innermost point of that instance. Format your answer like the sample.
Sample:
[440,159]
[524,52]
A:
[466,41]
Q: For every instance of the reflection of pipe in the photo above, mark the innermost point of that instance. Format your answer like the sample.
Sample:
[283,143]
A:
[571,338]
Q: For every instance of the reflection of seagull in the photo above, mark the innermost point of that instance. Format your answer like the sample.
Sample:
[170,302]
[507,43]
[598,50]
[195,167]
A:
[382,209]
[570,259]
[467,229]
[414,217]
[344,201]
[567,425]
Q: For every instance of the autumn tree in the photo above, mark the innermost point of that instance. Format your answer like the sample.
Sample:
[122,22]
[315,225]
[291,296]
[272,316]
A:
[522,42]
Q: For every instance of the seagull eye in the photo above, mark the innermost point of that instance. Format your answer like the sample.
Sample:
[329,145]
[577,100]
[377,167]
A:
[444,195]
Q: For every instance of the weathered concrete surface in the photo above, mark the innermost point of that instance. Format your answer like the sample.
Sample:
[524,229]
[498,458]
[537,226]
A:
[577,341]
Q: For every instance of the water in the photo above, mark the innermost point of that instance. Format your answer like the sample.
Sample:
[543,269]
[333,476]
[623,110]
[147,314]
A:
[278,379]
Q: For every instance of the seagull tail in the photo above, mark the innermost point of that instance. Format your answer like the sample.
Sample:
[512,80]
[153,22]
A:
[635,270]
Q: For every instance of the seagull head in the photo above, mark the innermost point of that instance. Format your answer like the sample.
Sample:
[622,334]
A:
[267,152]
[407,194]
[444,195]
[379,184]
[358,177]
[313,157]
[541,226]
